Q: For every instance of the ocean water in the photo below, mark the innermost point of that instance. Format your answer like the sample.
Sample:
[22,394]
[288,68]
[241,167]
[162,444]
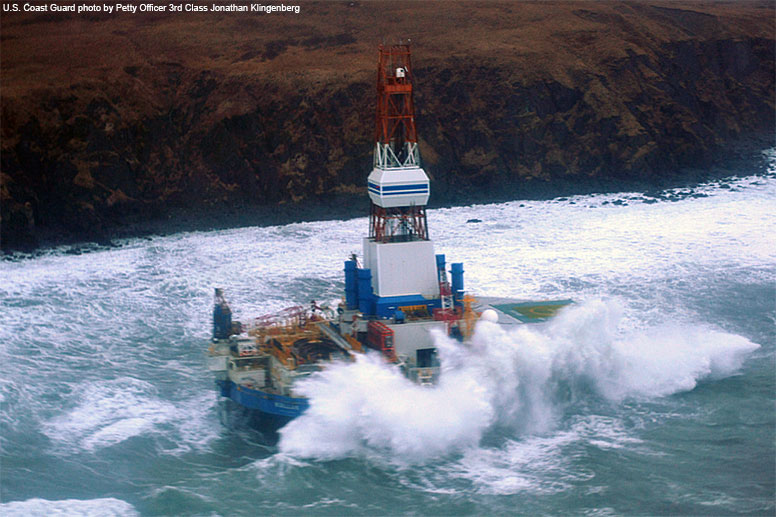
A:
[653,394]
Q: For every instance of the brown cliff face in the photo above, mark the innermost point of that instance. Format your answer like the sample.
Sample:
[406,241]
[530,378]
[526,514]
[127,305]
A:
[110,120]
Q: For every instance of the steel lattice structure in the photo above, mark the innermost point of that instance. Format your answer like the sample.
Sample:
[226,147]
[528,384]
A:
[396,144]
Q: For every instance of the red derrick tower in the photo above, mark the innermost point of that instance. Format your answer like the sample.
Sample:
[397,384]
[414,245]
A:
[398,187]
[395,120]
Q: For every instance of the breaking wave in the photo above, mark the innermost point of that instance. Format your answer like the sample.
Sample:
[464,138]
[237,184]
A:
[523,378]
[111,412]
[104,507]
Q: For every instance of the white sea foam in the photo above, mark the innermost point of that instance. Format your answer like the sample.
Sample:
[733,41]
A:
[104,507]
[523,378]
[108,413]
[111,412]
[536,465]
[69,325]
[589,243]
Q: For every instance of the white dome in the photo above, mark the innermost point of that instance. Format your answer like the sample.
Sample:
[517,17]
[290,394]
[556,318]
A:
[489,315]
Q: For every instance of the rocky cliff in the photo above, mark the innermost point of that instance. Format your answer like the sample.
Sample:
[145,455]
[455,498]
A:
[110,121]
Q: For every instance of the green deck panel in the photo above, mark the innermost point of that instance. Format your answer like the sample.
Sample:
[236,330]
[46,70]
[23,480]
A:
[531,312]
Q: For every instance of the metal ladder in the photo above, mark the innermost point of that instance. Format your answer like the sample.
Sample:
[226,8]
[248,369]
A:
[445,292]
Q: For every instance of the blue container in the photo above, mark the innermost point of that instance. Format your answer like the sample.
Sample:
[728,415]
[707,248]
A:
[365,291]
[457,271]
[351,285]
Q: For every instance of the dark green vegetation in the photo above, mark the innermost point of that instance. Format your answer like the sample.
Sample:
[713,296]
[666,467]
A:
[118,124]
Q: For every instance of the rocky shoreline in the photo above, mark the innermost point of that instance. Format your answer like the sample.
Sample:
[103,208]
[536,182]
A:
[116,126]
[745,159]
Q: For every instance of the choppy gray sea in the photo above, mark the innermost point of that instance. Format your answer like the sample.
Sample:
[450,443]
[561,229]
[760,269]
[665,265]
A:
[652,394]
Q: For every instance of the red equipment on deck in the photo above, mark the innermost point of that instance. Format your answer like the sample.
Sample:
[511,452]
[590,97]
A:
[380,337]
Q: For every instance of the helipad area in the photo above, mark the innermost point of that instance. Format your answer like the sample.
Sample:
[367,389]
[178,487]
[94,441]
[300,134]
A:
[529,312]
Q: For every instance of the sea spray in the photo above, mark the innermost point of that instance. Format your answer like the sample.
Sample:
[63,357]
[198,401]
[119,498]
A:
[589,349]
[523,377]
[369,406]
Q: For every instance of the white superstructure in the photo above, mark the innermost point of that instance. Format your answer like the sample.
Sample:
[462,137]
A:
[402,268]
[398,186]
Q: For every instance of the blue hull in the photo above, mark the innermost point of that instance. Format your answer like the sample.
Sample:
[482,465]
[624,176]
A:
[270,404]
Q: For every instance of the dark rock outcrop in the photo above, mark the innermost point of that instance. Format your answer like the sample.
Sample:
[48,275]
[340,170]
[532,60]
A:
[523,98]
